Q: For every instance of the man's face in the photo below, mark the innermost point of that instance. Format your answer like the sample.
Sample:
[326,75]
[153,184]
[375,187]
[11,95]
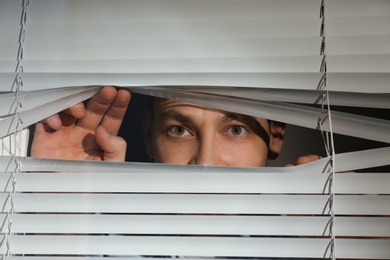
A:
[183,133]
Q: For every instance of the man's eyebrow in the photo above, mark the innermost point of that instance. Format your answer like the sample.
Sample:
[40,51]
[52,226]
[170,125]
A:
[250,121]
[177,116]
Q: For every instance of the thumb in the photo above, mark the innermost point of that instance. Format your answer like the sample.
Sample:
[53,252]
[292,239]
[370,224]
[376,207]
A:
[114,147]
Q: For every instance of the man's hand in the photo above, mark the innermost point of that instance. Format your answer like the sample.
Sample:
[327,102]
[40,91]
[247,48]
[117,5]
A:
[85,133]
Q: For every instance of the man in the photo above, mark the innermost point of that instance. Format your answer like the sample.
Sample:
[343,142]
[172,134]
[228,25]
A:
[176,132]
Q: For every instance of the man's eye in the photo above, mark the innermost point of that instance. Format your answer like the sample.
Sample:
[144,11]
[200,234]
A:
[178,131]
[237,130]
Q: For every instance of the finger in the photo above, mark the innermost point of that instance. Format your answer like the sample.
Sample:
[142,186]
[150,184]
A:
[112,120]
[77,111]
[307,159]
[51,123]
[114,147]
[97,107]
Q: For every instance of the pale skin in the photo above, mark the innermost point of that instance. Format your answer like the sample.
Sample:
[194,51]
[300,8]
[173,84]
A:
[177,133]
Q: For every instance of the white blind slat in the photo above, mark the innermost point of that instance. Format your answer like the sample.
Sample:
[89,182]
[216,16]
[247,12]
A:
[172,10]
[340,81]
[175,30]
[29,117]
[346,162]
[338,63]
[224,64]
[169,203]
[136,49]
[201,203]
[356,8]
[196,225]
[359,25]
[197,182]
[155,245]
[199,246]
[34,99]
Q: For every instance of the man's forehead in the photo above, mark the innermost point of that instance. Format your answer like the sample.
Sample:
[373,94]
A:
[163,105]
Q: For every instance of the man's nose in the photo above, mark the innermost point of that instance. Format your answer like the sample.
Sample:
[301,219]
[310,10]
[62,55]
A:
[208,153]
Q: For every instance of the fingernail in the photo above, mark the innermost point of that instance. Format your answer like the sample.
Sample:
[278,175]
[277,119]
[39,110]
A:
[55,121]
[78,107]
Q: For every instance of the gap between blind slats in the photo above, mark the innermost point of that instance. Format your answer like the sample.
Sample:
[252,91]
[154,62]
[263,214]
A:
[200,203]
[349,124]
[195,225]
[197,182]
[196,246]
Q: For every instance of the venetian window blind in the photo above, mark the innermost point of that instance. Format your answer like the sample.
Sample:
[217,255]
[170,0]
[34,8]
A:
[285,60]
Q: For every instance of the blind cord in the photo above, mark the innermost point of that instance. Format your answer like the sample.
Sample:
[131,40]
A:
[327,135]
[15,145]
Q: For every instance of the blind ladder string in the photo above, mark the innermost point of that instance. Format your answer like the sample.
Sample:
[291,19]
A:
[15,147]
[324,117]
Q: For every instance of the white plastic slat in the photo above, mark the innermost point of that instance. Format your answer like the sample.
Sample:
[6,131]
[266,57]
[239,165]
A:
[29,117]
[357,8]
[178,203]
[7,66]
[213,48]
[196,246]
[169,246]
[201,203]
[178,182]
[100,11]
[346,162]
[366,44]
[218,48]
[209,65]
[198,182]
[349,82]
[10,17]
[359,25]
[9,51]
[363,248]
[34,99]
[180,30]
[196,225]
[88,258]
[375,63]
[211,29]
[38,81]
